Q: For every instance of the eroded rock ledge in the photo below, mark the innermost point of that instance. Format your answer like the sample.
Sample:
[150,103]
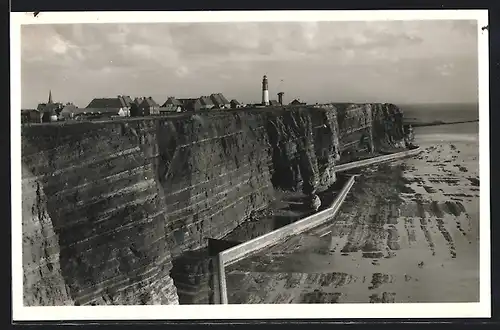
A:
[122,198]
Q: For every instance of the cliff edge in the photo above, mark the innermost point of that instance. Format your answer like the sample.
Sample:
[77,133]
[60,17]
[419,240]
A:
[124,198]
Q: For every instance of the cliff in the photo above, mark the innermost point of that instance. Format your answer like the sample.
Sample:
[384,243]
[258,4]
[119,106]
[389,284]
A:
[126,201]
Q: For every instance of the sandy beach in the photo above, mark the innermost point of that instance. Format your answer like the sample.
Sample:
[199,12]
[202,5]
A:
[408,232]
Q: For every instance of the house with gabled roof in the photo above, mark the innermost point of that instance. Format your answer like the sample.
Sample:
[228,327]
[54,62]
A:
[148,106]
[171,105]
[125,100]
[206,103]
[106,102]
[137,101]
[108,106]
[68,112]
[30,116]
[120,102]
[297,102]
[220,101]
[235,104]
[191,104]
[274,103]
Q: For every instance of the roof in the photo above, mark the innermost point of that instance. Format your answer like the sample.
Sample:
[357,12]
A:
[206,100]
[188,101]
[149,102]
[274,103]
[49,107]
[219,99]
[125,100]
[172,101]
[29,110]
[70,108]
[296,102]
[235,102]
[105,103]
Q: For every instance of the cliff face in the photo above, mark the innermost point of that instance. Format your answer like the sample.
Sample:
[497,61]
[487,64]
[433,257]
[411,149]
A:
[387,127]
[43,282]
[106,210]
[127,200]
[304,145]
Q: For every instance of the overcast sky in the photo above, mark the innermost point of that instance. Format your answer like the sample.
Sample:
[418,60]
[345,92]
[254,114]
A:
[386,61]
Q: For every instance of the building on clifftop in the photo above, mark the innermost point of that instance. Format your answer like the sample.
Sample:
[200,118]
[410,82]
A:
[115,106]
[148,106]
[235,104]
[121,103]
[68,112]
[191,104]
[30,116]
[206,103]
[171,105]
[50,110]
[220,101]
[297,102]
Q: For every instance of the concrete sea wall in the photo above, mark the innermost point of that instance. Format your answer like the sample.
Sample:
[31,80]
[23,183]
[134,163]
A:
[108,207]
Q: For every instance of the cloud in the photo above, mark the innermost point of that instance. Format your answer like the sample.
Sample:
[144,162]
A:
[444,69]
[182,71]
[83,60]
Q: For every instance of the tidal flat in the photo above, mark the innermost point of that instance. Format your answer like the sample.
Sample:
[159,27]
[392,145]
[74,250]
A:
[407,232]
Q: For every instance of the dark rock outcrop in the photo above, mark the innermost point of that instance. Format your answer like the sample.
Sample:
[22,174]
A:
[125,198]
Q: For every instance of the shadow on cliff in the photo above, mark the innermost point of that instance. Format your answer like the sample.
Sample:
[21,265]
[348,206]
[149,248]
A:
[126,197]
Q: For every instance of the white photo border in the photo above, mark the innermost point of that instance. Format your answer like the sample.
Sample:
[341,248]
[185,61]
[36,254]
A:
[257,311]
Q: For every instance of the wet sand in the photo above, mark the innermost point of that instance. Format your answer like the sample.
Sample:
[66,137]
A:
[408,232]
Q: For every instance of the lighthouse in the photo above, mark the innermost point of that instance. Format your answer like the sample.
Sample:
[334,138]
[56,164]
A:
[265,91]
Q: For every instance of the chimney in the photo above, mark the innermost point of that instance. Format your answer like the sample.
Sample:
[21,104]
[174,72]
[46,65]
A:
[265,91]
[280,98]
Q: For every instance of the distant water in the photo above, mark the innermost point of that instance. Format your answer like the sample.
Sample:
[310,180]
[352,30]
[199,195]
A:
[463,132]
[440,112]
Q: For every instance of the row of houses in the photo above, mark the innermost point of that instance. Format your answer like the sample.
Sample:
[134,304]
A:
[122,106]
[214,101]
[125,106]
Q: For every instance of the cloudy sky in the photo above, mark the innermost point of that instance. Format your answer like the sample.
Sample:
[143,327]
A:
[386,61]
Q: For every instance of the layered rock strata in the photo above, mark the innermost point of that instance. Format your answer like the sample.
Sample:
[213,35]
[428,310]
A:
[125,198]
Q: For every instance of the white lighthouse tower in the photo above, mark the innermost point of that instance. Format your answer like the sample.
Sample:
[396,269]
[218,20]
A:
[265,91]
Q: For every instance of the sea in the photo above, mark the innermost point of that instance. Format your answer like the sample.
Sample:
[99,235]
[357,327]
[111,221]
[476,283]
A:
[447,113]
[439,112]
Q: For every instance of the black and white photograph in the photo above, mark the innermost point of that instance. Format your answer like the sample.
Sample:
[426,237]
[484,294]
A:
[272,163]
